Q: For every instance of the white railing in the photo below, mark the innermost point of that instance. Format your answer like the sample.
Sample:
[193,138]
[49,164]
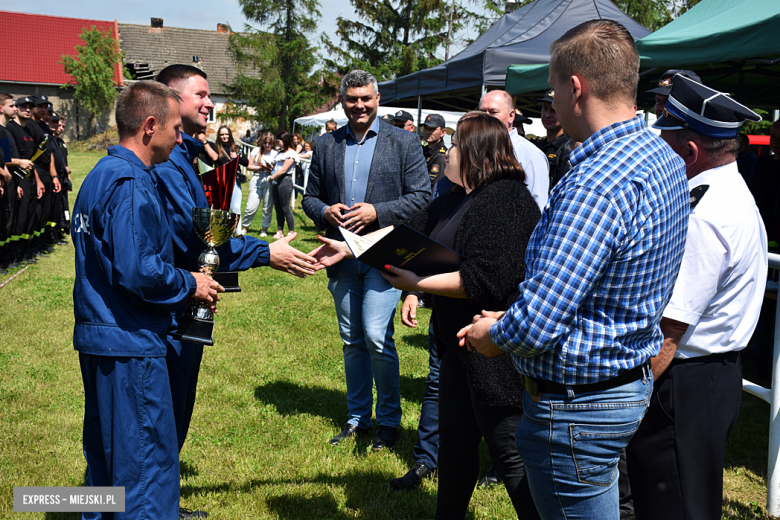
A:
[772,396]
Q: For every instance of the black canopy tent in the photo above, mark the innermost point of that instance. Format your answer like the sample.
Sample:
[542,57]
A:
[523,36]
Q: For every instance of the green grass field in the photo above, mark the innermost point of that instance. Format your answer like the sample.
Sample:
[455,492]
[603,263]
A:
[271,394]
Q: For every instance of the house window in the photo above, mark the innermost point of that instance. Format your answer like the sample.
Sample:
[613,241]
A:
[212,119]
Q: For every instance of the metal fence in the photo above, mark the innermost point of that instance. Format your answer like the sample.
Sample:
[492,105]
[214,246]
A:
[772,396]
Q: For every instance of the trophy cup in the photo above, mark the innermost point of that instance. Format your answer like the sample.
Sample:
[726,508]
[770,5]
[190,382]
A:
[214,227]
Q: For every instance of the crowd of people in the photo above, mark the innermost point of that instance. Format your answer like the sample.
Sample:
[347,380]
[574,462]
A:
[610,277]
[34,180]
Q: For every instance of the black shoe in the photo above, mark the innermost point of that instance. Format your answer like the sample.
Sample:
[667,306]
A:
[188,514]
[413,477]
[347,431]
[386,437]
[491,478]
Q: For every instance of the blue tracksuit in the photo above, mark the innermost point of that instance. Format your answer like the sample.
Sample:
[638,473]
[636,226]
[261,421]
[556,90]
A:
[125,295]
[180,191]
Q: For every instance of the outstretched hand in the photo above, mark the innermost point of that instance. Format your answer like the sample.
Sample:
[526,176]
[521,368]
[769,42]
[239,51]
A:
[329,253]
[477,335]
[287,259]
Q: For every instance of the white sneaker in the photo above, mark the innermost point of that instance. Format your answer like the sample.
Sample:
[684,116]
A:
[263,234]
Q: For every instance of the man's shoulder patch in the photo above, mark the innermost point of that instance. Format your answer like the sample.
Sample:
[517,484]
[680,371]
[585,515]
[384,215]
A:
[435,168]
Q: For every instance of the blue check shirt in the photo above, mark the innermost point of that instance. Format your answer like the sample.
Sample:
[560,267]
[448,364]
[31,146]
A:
[601,264]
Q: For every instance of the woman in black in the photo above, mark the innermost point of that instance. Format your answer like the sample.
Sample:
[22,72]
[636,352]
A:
[227,150]
[488,217]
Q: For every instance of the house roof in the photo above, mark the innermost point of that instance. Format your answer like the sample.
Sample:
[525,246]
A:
[27,60]
[159,47]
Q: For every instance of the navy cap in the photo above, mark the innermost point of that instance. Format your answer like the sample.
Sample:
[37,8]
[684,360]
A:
[521,119]
[434,121]
[24,100]
[703,110]
[55,116]
[403,115]
[39,99]
[667,79]
[548,96]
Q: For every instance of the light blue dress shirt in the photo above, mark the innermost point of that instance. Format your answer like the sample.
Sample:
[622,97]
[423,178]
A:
[357,163]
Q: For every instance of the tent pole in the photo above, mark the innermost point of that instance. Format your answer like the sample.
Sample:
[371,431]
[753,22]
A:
[419,113]
[484,90]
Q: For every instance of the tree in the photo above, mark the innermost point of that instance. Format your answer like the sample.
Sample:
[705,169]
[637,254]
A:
[274,81]
[93,70]
[398,37]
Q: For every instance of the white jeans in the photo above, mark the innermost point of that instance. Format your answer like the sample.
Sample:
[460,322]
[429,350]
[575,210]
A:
[235,203]
[259,189]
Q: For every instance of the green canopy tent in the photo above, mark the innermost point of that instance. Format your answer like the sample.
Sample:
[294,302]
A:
[732,44]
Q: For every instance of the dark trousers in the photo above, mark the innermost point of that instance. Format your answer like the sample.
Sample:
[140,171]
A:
[427,448]
[675,460]
[129,439]
[463,422]
[183,361]
[24,217]
[282,192]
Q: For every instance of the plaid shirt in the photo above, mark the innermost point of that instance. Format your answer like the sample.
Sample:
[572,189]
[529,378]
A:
[601,264]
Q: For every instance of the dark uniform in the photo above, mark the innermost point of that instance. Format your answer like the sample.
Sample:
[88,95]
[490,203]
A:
[552,149]
[27,138]
[59,207]
[8,239]
[435,159]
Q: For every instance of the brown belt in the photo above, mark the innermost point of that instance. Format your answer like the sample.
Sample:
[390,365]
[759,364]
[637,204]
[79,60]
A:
[537,386]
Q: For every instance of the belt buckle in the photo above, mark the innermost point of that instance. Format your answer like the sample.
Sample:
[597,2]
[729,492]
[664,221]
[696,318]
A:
[532,388]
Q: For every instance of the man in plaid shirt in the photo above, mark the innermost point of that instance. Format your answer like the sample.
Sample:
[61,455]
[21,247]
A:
[601,266]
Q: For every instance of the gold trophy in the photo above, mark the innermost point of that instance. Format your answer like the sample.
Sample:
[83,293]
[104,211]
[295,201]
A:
[214,227]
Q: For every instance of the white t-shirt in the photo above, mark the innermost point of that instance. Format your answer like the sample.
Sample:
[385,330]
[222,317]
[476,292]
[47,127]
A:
[268,158]
[722,279]
[536,166]
[283,156]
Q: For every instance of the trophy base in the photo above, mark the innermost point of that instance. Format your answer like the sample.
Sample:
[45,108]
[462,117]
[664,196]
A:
[228,280]
[195,330]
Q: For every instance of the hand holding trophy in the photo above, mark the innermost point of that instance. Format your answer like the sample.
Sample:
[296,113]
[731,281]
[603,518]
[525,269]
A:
[214,227]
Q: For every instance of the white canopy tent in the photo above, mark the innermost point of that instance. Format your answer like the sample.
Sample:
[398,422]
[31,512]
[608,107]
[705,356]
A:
[450,118]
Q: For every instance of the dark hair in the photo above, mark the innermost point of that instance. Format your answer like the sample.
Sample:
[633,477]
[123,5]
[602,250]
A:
[231,144]
[5,97]
[310,143]
[726,149]
[604,53]
[486,153]
[331,122]
[287,141]
[139,101]
[174,73]
[300,138]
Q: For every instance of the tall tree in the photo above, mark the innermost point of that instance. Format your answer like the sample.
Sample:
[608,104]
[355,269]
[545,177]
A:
[92,70]
[275,82]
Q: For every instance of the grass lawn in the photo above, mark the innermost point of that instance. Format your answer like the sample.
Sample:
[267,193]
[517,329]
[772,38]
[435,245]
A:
[271,394]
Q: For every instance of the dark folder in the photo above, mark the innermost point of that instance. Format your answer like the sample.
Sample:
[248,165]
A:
[409,249]
[6,146]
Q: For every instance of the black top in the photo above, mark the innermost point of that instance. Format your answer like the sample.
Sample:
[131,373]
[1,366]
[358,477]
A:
[765,187]
[26,142]
[552,149]
[435,160]
[492,234]
[45,159]
[5,134]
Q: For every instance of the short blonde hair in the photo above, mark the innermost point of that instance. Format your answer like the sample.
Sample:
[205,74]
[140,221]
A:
[603,52]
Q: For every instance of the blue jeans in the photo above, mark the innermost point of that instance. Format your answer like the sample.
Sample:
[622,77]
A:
[571,446]
[427,448]
[365,306]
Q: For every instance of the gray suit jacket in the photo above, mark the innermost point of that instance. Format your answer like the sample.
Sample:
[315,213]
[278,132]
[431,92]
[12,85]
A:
[398,183]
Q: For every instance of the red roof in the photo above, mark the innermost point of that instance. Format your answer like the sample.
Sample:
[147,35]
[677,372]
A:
[34,55]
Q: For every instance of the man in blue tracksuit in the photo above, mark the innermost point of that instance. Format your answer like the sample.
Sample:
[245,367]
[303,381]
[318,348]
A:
[124,298]
[180,191]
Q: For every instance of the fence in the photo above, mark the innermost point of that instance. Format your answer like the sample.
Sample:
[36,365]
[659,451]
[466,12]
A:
[246,149]
[772,396]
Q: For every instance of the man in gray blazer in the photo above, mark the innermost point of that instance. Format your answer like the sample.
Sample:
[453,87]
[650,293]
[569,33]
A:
[364,176]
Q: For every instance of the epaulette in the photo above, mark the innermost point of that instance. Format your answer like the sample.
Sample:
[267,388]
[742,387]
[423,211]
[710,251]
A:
[697,194]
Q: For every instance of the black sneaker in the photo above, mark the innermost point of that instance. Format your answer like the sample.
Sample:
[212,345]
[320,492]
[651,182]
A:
[413,477]
[491,478]
[189,514]
[386,437]
[347,431]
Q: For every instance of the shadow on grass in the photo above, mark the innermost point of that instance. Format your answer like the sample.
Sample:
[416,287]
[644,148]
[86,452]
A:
[733,510]
[294,399]
[368,494]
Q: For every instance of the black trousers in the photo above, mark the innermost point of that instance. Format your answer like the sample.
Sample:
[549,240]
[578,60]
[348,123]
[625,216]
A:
[282,193]
[675,460]
[463,422]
